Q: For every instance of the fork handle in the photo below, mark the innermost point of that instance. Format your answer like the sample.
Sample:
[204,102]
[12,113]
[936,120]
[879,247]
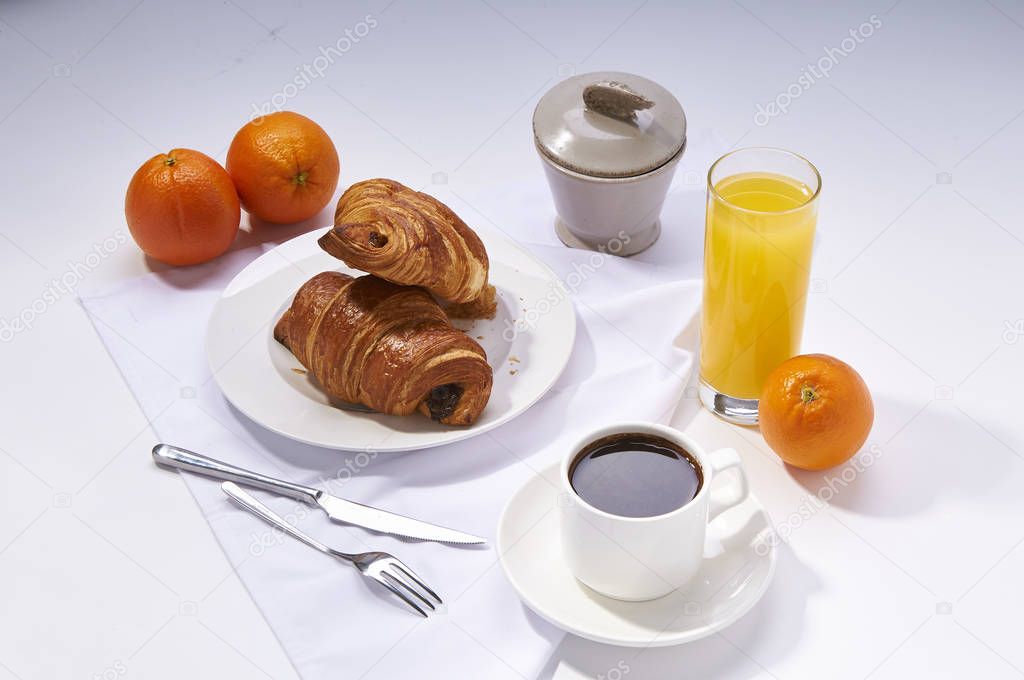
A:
[183,459]
[248,502]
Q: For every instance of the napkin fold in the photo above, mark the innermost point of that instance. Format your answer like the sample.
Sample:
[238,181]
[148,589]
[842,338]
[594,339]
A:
[629,362]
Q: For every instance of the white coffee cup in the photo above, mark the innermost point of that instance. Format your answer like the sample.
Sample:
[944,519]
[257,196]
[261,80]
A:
[643,558]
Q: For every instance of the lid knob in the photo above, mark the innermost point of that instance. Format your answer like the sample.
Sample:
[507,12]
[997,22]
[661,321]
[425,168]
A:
[615,100]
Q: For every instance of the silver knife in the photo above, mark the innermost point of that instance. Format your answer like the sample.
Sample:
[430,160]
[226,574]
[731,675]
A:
[338,509]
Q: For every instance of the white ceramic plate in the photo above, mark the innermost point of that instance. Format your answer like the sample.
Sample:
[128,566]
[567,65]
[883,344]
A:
[738,567]
[266,383]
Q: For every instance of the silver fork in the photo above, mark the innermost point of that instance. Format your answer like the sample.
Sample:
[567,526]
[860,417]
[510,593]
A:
[382,567]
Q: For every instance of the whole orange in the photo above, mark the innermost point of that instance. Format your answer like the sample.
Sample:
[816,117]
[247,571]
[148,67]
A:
[815,411]
[284,166]
[182,207]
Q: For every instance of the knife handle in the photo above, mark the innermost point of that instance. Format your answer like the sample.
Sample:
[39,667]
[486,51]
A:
[183,459]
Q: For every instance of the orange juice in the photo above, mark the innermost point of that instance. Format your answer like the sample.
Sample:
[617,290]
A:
[757,259]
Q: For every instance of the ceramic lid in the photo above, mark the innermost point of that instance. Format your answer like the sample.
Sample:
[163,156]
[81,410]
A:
[609,124]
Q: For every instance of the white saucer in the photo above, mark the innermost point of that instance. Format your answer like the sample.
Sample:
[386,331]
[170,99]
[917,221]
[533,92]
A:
[738,566]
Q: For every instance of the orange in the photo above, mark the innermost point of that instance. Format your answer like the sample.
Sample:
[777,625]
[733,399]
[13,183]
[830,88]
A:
[815,411]
[182,207]
[284,166]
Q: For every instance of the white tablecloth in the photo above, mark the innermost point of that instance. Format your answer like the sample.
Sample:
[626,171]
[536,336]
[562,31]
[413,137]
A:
[632,360]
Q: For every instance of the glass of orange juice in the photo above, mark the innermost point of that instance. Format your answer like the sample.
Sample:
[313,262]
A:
[762,208]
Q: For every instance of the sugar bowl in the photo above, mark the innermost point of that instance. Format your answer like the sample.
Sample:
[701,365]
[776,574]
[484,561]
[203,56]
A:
[609,143]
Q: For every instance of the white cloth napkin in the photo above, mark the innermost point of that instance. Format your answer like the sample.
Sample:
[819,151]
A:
[628,363]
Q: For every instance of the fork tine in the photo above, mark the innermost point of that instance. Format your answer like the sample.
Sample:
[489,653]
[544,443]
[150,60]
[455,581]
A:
[399,582]
[400,594]
[417,580]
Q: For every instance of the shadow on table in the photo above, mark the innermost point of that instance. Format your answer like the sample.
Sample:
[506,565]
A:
[746,649]
[460,461]
[893,478]
[259,231]
[681,244]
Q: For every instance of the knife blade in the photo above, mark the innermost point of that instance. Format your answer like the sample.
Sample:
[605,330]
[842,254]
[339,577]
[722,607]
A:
[338,509]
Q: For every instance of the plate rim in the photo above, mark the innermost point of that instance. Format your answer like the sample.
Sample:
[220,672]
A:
[462,434]
[671,641]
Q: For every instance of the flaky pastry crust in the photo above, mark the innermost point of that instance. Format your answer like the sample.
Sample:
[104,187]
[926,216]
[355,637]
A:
[385,228]
[389,347]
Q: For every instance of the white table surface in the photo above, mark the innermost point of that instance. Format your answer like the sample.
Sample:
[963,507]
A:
[107,568]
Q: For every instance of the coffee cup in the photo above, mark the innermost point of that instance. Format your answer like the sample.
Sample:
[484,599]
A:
[637,500]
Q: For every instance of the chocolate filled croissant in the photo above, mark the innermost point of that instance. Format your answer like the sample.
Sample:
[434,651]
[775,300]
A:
[389,347]
[385,228]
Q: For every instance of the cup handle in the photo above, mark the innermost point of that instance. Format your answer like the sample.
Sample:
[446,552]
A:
[722,460]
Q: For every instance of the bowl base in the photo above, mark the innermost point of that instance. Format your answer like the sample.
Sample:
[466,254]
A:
[637,242]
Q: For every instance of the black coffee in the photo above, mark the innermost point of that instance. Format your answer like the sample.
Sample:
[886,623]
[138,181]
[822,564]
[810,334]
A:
[635,475]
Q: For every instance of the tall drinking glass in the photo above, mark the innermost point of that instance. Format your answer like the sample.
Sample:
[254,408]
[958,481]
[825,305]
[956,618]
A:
[762,208]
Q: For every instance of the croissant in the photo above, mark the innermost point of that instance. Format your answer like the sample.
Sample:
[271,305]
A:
[386,346]
[407,237]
